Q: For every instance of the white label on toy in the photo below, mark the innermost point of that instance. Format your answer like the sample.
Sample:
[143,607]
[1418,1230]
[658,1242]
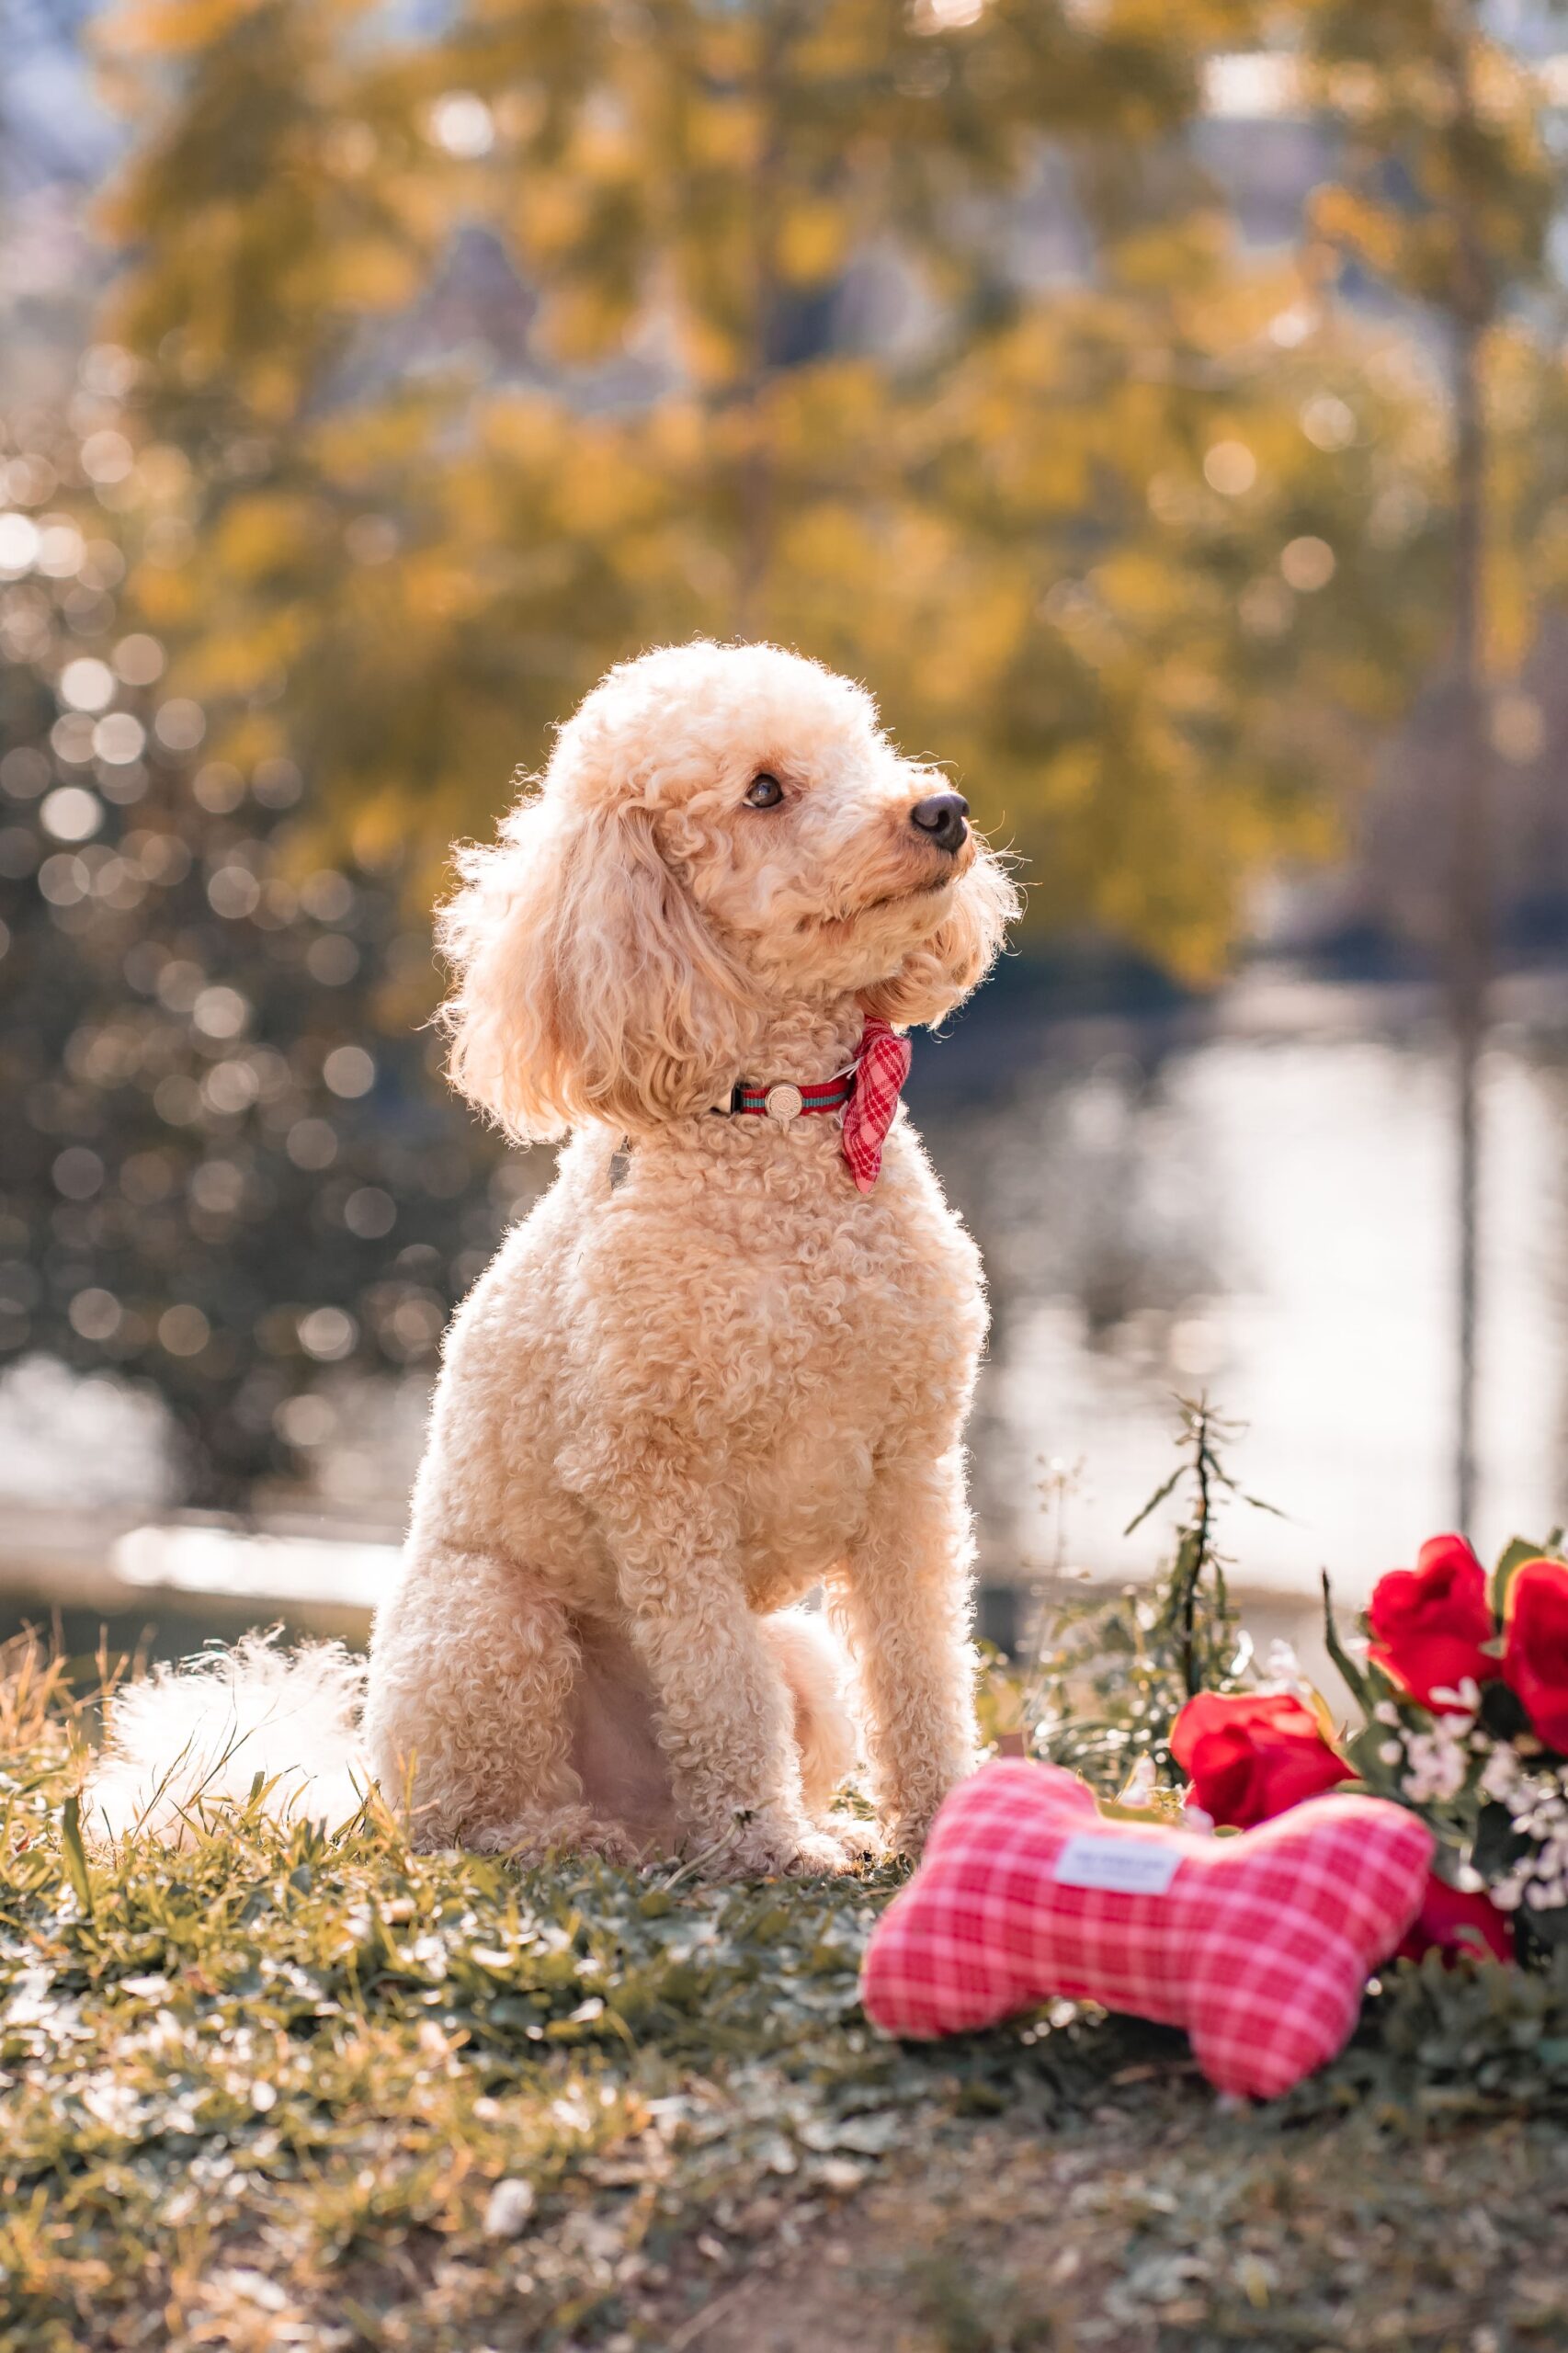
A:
[1125,1865]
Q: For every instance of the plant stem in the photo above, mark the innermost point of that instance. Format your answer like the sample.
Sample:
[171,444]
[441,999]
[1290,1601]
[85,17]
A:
[1196,1544]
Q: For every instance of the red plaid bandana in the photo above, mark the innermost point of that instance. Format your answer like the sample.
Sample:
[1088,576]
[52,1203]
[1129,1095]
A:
[880,1073]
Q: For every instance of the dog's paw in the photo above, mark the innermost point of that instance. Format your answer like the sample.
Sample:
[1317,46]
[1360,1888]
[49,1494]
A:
[818,1855]
[783,1850]
[858,1842]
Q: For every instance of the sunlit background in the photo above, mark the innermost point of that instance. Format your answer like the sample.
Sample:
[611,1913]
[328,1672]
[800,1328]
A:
[1161,406]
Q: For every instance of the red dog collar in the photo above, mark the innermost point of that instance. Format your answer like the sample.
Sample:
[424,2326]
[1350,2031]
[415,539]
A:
[786,1102]
[867,1094]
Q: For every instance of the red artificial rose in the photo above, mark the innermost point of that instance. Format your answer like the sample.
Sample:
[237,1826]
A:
[1250,1754]
[1535,1647]
[1452,1922]
[1429,1623]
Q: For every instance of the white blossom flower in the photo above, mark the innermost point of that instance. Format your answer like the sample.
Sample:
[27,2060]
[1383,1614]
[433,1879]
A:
[1283,1668]
[1437,1763]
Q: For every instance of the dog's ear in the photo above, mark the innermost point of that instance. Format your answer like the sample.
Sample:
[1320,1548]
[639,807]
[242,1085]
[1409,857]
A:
[942,970]
[589,986]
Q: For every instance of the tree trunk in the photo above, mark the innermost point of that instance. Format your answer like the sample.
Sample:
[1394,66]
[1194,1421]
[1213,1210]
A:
[1469,898]
[1470,915]
[757,475]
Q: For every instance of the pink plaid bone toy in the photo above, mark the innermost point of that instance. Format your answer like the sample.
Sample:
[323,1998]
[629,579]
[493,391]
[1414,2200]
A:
[1259,1944]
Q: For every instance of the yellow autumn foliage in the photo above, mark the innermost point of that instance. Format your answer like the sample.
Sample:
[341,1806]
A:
[739,346]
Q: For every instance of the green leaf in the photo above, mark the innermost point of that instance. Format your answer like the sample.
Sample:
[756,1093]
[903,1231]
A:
[1515,1553]
[1502,1714]
[1355,1680]
[1552,1927]
[76,1853]
[1257,1502]
[1156,1499]
[1497,1844]
[1362,1752]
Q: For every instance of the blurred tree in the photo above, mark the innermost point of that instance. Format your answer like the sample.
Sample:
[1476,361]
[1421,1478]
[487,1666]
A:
[1180,585]
[1446,198]
[228,1162]
[750,343]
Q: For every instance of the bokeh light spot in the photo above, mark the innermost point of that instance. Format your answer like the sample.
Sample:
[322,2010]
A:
[277,784]
[180,723]
[23,772]
[1328,422]
[332,960]
[305,1421]
[230,1087]
[218,1187]
[64,879]
[177,1100]
[180,984]
[233,891]
[1307,564]
[349,1070]
[220,1013]
[462,124]
[61,548]
[78,1173]
[184,1331]
[70,738]
[311,1144]
[72,813]
[369,1212]
[417,1324]
[18,544]
[87,684]
[327,1334]
[219,786]
[137,659]
[95,1314]
[1230,468]
[107,456]
[120,739]
[326,895]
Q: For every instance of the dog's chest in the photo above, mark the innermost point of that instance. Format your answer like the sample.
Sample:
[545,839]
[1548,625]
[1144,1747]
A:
[741,1306]
[784,1334]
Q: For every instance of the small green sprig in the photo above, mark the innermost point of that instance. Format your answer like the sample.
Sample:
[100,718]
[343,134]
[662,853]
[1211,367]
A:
[1112,1676]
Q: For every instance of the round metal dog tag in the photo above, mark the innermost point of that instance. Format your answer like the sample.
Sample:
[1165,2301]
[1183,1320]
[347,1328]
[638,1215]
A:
[783,1103]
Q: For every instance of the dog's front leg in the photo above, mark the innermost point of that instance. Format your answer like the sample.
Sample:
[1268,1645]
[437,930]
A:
[722,1709]
[902,1600]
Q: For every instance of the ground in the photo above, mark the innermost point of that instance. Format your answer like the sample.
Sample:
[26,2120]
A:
[287,2088]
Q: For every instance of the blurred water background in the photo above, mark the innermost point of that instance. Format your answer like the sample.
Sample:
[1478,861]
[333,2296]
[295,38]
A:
[1251,1200]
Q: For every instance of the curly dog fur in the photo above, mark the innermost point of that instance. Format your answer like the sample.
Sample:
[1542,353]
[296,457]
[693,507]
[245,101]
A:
[675,1404]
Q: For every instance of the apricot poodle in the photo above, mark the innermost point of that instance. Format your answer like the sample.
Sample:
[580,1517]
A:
[709,1372]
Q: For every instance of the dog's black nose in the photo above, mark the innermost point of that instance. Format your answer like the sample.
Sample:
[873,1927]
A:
[943,817]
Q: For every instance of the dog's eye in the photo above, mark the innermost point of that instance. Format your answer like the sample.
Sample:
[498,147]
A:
[764,791]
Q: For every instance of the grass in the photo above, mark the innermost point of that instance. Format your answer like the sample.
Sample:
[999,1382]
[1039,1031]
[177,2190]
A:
[286,2088]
